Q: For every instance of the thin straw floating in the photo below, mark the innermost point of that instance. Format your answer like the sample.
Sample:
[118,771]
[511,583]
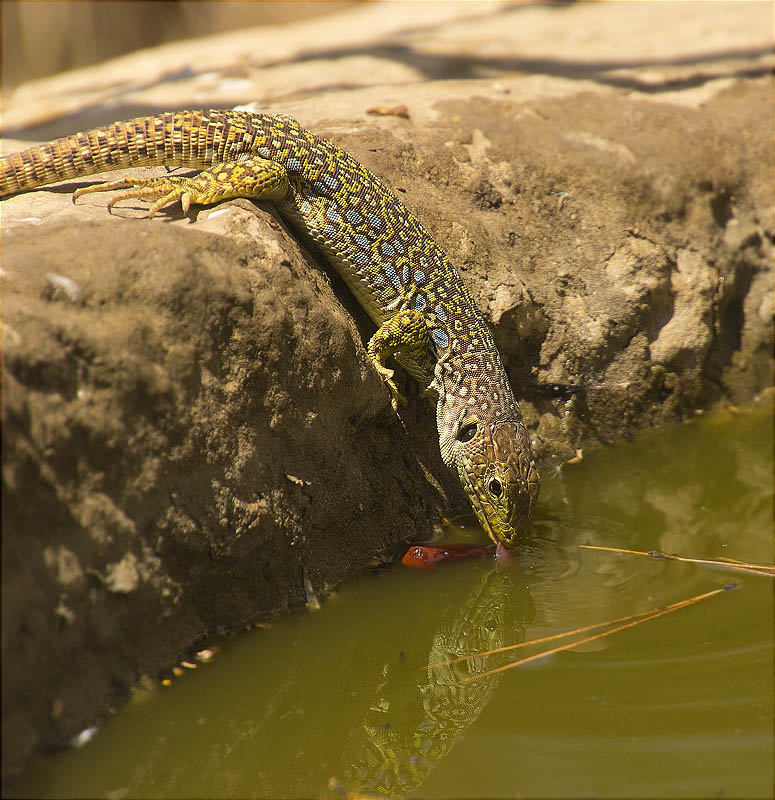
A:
[657,613]
[584,629]
[737,563]
[554,636]
[727,563]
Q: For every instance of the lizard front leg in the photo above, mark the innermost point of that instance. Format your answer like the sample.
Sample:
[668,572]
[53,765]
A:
[255,178]
[405,334]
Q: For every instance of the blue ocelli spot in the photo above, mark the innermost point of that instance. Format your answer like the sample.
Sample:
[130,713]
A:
[441,314]
[330,231]
[331,182]
[359,258]
[390,271]
[405,276]
[354,217]
[419,276]
[376,221]
[333,214]
[387,250]
[363,241]
[441,338]
[420,302]
[293,164]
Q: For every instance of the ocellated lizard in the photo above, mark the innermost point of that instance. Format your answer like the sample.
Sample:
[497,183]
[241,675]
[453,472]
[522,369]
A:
[426,317]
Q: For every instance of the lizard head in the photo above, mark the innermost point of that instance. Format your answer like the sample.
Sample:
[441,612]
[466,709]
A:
[496,467]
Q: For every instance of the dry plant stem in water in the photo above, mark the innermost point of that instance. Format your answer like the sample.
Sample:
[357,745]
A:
[657,613]
[727,563]
[543,639]
[630,621]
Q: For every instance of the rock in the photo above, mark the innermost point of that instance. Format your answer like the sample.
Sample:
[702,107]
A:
[192,431]
[683,341]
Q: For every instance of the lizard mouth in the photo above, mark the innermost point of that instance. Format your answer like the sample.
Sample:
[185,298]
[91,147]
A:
[476,502]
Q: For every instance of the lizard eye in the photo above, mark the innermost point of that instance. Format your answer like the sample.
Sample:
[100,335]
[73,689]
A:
[467,432]
[496,487]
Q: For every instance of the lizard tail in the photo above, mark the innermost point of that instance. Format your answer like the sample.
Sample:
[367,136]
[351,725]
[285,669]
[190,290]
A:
[194,139]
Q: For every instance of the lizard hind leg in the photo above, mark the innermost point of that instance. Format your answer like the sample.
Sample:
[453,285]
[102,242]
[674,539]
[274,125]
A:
[404,335]
[255,178]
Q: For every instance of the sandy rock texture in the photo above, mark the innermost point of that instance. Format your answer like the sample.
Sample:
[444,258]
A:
[193,438]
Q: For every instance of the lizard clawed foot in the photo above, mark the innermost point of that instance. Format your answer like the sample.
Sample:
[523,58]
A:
[253,177]
[396,398]
[404,334]
[161,192]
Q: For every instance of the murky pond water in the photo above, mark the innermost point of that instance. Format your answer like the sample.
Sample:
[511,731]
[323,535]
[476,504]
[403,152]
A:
[341,699]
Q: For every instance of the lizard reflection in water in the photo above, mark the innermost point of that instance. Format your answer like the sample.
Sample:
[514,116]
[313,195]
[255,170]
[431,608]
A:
[412,725]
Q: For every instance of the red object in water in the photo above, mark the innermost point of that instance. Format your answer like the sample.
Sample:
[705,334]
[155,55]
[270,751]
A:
[420,557]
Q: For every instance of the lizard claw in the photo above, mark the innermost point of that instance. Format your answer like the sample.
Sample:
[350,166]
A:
[160,192]
[396,398]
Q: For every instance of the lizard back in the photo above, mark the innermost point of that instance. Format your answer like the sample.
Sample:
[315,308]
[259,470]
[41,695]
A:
[386,256]
[426,316]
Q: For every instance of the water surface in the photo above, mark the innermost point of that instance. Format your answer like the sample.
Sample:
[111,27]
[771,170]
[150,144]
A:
[341,699]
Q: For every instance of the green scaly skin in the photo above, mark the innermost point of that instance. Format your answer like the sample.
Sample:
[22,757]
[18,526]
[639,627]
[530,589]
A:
[425,315]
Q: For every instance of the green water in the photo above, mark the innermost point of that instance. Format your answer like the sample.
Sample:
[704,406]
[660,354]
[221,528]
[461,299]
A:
[680,706]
